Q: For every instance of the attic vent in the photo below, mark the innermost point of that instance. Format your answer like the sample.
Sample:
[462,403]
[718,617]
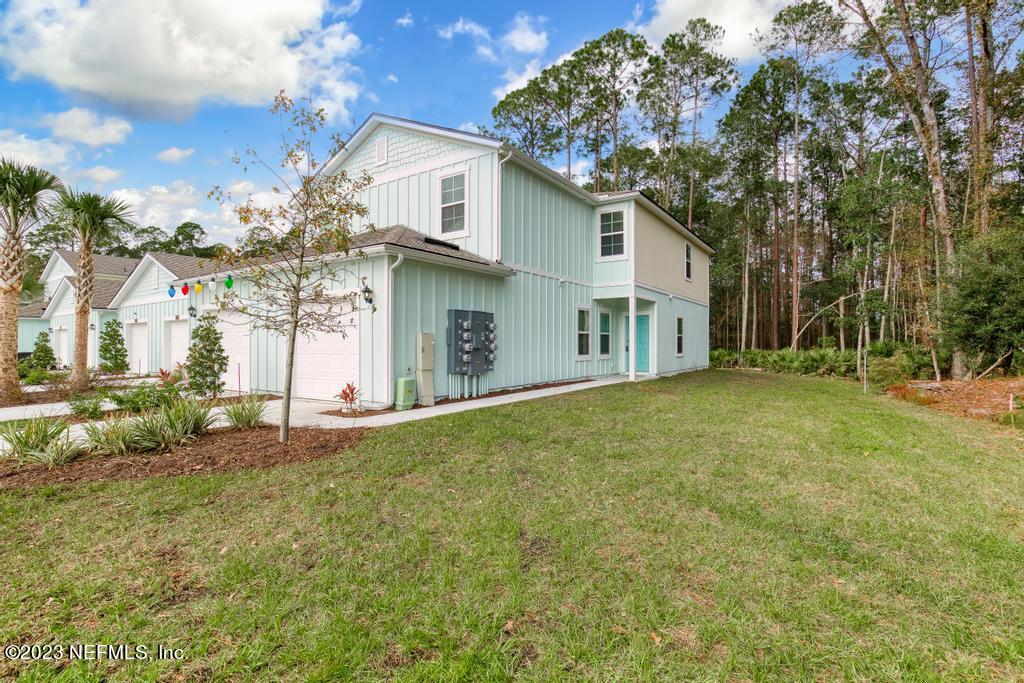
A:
[381,150]
[441,243]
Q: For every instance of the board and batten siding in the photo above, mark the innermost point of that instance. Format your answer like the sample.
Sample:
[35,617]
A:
[535,318]
[64,319]
[28,331]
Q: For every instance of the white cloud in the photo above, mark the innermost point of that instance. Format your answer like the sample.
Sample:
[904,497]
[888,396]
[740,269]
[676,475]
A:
[480,34]
[525,36]
[580,169]
[405,21]
[173,155]
[348,10]
[469,127]
[83,125]
[101,174]
[167,206]
[391,78]
[517,79]
[37,152]
[165,57]
[739,18]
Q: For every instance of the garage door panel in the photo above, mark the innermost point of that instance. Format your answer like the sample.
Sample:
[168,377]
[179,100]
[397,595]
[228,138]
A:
[234,329]
[138,348]
[325,362]
[177,342]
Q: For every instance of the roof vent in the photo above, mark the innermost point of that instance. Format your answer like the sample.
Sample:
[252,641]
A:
[441,243]
[381,150]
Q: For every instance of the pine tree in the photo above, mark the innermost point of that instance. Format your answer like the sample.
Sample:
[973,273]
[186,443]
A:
[207,361]
[42,353]
[113,352]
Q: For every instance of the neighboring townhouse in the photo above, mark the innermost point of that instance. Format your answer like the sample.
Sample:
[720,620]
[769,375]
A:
[56,313]
[565,284]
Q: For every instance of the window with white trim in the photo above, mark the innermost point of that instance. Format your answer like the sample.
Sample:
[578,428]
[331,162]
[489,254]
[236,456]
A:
[613,234]
[689,261]
[679,335]
[583,333]
[453,203]
[604,334]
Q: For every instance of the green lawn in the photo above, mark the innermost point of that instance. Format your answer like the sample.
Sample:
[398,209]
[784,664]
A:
[712,525]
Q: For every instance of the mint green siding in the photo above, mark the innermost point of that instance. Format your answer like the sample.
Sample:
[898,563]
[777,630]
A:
[28,330]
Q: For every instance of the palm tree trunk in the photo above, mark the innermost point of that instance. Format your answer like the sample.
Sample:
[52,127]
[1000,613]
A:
[12,274]
[83,306]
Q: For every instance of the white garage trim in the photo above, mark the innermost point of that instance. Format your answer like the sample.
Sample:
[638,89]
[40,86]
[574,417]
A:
[325,362]
[61,337]
[234,328]
[137,341]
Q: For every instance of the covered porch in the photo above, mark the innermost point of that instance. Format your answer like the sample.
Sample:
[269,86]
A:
[627,330]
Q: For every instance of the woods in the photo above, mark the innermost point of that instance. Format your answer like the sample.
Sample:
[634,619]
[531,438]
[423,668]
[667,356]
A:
[852,180]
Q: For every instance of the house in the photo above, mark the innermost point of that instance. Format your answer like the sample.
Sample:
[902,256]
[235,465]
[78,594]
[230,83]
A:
[550,282]
[56,313]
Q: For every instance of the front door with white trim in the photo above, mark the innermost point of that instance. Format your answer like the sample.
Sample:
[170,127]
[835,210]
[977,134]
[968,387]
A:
[60,346]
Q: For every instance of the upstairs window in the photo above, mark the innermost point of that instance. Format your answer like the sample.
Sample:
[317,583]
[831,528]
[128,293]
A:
[583,333]
[453,203]
[689,261]
[613,234]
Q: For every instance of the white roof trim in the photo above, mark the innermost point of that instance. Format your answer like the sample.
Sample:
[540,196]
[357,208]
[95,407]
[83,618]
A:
[51,264]
[65,284]
[375,120]
[127,285]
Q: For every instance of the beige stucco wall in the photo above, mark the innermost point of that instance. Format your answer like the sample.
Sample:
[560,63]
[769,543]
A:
[661,255]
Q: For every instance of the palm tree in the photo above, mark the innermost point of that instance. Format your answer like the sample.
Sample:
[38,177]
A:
[91,217]
[25,193]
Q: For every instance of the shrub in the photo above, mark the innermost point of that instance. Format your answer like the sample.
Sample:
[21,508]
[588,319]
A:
[827,342]
[90,407]
[24,367]
[246,413]
[206,361]
[886,372]
[722,358]
[114,437]
[42,357]
[113,352]
[37,376]
[145,396]
[171,378]
[171,426]
[33,436]
[59,451]
[349,397]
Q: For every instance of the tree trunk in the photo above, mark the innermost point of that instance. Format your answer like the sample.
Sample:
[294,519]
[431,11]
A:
[12,275]
[776,267]
[693,166]
[794,323]
[79,379]
[746,277]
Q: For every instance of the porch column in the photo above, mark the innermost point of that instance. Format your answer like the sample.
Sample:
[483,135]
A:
[632,337]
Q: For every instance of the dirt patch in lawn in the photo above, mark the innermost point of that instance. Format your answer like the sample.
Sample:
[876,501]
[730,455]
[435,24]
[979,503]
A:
[445,401]
[219,450]
[983,398]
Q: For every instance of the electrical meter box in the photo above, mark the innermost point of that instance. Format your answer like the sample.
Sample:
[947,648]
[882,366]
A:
[472,342]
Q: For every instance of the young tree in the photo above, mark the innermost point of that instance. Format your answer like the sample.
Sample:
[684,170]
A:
[801,33]
[92,217]
[290,248]
[522,120]
[43,357]
[25,193]
[565,96]
[113,352]
[206,361]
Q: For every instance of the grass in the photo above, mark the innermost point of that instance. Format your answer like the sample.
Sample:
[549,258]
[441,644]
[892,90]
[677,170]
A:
[714,525]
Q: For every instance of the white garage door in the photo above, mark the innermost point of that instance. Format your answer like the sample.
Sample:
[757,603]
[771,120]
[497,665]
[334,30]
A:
[325,363]
[235,329]
[138,347]
[60,346]
[177,343]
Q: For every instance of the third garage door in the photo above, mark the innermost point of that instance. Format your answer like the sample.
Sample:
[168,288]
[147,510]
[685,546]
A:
[325,363]
[235,330]
[177,342]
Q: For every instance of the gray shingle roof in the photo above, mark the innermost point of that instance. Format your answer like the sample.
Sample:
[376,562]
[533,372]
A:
[103,290]
[32,310]
[184,266]
[101,264]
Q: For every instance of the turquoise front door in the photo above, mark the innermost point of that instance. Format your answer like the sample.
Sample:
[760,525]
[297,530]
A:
[643,343]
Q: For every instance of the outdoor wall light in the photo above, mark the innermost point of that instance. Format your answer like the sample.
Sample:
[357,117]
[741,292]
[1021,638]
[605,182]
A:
[50,330]
[191,311]
[92,326]
[367,293]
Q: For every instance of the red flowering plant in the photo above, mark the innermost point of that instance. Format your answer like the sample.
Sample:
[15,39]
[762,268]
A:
[349,397]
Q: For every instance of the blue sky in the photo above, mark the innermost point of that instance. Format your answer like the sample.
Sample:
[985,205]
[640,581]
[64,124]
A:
[148,98]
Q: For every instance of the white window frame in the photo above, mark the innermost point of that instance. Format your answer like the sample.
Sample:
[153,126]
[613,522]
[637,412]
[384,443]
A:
[680,337]
[625,241]
[577,332]
[688,262]
[607,312]
[465,202]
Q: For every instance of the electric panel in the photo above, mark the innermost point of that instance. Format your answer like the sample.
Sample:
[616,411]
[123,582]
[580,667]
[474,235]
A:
[472,342]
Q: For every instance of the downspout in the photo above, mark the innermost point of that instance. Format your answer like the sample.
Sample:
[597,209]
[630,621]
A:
[501,162]
[391,327]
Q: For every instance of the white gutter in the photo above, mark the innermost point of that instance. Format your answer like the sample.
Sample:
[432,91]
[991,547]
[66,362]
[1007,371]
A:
[391,327]
[497,222]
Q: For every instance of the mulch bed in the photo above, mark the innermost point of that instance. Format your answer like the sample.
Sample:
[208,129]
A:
[219,450]
[58,393]
[338,412]
[115,413]
[983,398]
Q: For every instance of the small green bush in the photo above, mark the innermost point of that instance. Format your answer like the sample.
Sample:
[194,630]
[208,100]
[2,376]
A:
[90,407]
[33,436]
[188,418]
[886,372]
[172,425]
[57,452]
[38,376]
[145,396]
[42,357]
[246,413]
[206,361]
[113,438]
[113,352]
[722,358]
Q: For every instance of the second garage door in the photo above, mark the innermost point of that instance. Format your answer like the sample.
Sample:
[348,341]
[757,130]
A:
[138,347]
[325,363]
[235,330]
[177,342]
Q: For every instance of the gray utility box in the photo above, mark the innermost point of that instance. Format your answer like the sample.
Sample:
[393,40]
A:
[472,342]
